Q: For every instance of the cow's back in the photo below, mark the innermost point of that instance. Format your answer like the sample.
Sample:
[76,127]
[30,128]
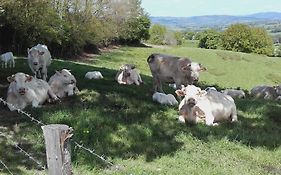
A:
[167,67]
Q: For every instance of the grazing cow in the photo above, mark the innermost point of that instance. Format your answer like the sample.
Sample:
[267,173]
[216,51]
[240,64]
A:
[39,58]
[25,90]
[128,74]
[211,106]
[172,69]
[6,58]
[165,99]
[93,75]
[234,93]
[63,83]
[266,92]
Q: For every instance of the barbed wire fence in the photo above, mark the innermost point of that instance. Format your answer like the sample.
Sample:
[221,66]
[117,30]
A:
[40,123]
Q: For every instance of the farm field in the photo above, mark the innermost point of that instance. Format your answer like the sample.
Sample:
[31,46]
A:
[142,137]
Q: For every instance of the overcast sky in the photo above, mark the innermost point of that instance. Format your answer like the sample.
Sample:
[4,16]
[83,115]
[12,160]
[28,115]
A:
[184,8]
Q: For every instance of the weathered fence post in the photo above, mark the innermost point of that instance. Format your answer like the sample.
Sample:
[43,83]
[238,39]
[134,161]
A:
[58,149]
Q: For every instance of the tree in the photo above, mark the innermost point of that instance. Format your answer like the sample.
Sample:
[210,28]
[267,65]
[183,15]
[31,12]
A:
[243,38]
[157,34]
[210,39]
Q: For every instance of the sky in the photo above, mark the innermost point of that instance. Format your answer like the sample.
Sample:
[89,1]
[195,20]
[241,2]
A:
[186,8]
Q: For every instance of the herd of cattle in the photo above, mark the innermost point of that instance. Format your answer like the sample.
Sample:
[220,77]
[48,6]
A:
[196,105]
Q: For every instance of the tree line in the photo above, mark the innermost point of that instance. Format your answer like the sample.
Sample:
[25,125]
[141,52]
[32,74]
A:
[68,27]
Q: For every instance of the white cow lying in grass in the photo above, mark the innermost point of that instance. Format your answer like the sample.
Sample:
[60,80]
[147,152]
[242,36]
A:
[63,83]
[211,106]
[128,75]
[6,58]
[39,58]
[267,92]
[234,93]
[93,75]
[164,99]
[25,90]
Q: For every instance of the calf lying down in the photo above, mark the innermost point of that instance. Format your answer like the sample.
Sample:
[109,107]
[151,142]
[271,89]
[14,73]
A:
[128,75]
[63,83]
[94,75]
[25,90]
[234,93]
[266,92]
[211,106]
[164,99]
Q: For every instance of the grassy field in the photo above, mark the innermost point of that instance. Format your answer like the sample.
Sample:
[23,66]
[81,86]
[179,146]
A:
[142,137]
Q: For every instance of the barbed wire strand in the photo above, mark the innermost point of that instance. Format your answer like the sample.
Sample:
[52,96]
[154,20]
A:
[92,151]
[6,167]
[22,112]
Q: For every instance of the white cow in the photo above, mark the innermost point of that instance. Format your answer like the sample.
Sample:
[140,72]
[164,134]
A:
[211,106]
[63,83]
[234,93]
[165,99]
[128,75]
[266,92]
[39,58]
[93,75]
[6,58]
[25,90]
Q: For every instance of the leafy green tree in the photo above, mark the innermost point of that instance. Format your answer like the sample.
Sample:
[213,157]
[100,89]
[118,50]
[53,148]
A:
[179,37]
[210,39]
[243,38]
[157,34]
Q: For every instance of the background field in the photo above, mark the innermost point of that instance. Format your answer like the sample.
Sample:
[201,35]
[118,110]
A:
[142,137]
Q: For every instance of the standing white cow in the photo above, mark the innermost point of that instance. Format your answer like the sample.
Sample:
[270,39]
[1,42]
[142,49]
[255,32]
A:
[128,74]
[212,106]
[173,69]
[25,90]
[63,83]
[6,58]
[39,58]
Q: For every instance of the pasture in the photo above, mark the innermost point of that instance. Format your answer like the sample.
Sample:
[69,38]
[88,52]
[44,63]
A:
[142,137]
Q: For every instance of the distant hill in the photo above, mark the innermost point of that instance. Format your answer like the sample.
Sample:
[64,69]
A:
[217,21]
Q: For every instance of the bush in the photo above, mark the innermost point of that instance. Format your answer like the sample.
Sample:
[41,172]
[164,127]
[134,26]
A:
[157,34]
[243,38]
[210,39]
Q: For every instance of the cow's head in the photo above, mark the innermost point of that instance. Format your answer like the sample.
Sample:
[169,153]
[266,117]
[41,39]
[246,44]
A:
[20,80]
[192,69]
[34,55]
[191,94]
[126,68]
[189,110]
[65,77]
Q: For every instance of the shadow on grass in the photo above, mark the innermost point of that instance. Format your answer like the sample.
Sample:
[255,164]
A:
[122,121]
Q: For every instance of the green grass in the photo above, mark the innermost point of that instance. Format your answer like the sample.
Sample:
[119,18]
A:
[142,137]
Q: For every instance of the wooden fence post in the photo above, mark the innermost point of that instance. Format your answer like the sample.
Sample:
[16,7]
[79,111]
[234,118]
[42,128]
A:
[58,149]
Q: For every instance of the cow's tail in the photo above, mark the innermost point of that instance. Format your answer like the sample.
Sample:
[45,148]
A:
[151,58]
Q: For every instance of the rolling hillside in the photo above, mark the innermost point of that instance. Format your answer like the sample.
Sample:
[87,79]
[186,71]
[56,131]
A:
[142,137]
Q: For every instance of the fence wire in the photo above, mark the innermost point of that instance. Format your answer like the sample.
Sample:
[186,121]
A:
[38,122]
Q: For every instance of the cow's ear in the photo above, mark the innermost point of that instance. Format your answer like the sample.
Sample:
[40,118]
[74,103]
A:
[11,78]
[41,53]
[132,66]
[180,93]
[58,72]
[186,67]
[28,78]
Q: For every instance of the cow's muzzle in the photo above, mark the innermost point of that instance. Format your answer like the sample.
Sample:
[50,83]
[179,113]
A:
[22,91]
[35,63]
[191,102]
